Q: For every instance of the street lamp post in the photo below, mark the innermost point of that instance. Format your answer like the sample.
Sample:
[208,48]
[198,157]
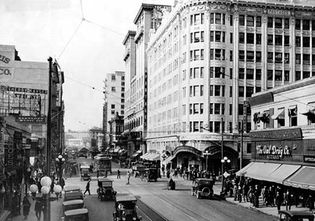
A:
[224,161]
[60,160]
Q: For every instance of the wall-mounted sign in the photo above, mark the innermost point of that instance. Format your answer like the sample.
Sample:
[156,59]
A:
[32,119]
[309,159]
[273,150]
[4,59]
[6,74]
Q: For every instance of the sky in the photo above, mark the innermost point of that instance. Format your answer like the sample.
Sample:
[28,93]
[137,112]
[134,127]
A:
[84,36]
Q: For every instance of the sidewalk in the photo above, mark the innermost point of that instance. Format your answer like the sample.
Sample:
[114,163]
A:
[55,211]
[263,209]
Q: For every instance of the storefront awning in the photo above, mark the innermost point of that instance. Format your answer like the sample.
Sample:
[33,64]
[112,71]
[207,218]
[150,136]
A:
[151,156]
[303,178]
[279,114]
[168,160]
[242,171]
[283,172]
[260,170]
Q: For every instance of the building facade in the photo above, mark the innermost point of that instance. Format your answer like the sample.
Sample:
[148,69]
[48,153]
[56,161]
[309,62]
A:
[114,100]
[204,62]
[147,21]
[283,135]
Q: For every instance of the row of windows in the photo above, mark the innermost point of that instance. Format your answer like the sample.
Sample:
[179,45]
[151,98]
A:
[277,75]
[197,19]
[196,90]
[217,54]
[196,108]
[217,108]
[250,38]
[249,73]
[195,126]
[277,57]
[249,91]
[197,37]
[196,55]
[217,36]
[217,90]
[197,72]
[302,75]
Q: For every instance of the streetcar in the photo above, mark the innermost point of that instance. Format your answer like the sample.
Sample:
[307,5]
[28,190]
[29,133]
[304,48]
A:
[103,165]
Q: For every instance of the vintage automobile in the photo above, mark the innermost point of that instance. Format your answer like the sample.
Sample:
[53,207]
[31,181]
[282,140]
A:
[85,172]
[105,189]
[125,208]
[76,215]
[286,215]
[151,174]
[203,187]
[72,193]
[72,204]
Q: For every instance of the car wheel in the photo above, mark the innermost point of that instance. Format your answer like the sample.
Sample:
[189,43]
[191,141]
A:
[206,191]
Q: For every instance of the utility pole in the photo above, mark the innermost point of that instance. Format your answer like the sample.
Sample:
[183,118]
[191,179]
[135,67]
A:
[222,153]
[48,149]
[241,146]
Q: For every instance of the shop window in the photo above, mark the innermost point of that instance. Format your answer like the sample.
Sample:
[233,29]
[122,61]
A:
[248,148]
[250,38]
[292,115]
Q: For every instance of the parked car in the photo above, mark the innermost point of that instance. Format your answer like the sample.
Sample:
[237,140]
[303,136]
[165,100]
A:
[125,208]
[203,187]
[72,204]
[72,193]
[76,214]
[105,189]
[286,215]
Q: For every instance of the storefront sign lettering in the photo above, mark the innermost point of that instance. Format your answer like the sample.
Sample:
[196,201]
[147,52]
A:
[278,12]
[4,59]
[274,150]
[5,71]
[309,159]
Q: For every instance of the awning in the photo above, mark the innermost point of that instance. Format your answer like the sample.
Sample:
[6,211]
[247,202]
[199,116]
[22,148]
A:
[168,160]
[279,114]
[283,172]
[260,170]
[151,156]
[303,178]
[242,171]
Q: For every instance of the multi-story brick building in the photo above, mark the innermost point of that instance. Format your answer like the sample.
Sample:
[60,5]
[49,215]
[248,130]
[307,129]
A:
[207,58]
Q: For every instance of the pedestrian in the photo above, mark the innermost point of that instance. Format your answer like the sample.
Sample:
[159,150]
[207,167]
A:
[288,200]
[118,174]
[128,177]
[87,187]
[310,202]
[26,206]
[38,208]
[278,200]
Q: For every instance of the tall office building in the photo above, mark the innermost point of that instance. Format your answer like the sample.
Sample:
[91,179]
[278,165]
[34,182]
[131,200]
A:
[147,21]
[204,62]
[114,100]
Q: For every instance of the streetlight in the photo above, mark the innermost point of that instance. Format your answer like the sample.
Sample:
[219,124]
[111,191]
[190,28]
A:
[60,160]
[224,161]
[45,190]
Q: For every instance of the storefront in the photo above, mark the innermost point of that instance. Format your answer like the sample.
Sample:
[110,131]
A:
[282,156]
